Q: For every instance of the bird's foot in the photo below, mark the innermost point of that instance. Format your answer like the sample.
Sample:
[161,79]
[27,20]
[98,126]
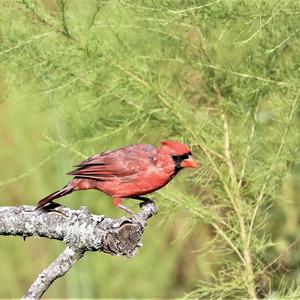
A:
[152,204]
[51,208]
[135,217]
[145,202]
[148,209]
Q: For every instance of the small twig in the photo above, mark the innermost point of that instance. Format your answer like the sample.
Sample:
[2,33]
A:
[247,152]
[263,25]
[33,8]
[64,7]
[283,253]
[23,43]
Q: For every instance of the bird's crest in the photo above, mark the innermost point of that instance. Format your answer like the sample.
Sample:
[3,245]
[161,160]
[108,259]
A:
[176,147]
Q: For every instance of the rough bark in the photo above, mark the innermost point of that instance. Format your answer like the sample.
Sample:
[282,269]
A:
[80,230]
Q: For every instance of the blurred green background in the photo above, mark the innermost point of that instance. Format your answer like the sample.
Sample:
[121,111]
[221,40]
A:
[81,77]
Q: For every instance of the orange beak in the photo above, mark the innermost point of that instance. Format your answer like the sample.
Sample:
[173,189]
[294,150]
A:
[189,163]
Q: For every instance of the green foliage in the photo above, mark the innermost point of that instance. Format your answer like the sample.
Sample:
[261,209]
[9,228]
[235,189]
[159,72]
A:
[79,77]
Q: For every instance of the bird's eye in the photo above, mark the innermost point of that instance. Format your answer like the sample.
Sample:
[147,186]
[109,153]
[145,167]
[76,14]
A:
[182,157]
[185,156]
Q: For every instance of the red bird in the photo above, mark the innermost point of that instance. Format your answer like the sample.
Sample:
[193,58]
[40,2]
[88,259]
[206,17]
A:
[128,172]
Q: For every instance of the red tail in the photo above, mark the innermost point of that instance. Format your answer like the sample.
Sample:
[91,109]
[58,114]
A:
[64,191]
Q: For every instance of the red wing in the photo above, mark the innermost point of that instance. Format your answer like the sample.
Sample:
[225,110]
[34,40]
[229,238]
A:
[124,162]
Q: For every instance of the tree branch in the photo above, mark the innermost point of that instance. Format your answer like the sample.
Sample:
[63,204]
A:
[80,230]
[62,264]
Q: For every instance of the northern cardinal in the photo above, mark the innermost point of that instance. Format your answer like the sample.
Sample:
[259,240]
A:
[128,172]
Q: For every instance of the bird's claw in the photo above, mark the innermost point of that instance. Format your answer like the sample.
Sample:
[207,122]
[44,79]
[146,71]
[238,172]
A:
[147,202]
[141,204]
[153,209]
[51,208]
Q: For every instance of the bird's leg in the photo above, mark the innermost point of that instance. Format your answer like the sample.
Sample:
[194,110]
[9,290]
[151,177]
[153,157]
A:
[126,209]
[117,203]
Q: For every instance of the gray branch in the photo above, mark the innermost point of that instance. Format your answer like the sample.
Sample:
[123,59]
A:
[80,230]
[58,268]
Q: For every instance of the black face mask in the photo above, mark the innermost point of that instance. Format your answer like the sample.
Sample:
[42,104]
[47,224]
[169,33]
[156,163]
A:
[177,160]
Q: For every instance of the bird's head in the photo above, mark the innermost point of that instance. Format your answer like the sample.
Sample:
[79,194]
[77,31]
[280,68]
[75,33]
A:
[180,153]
